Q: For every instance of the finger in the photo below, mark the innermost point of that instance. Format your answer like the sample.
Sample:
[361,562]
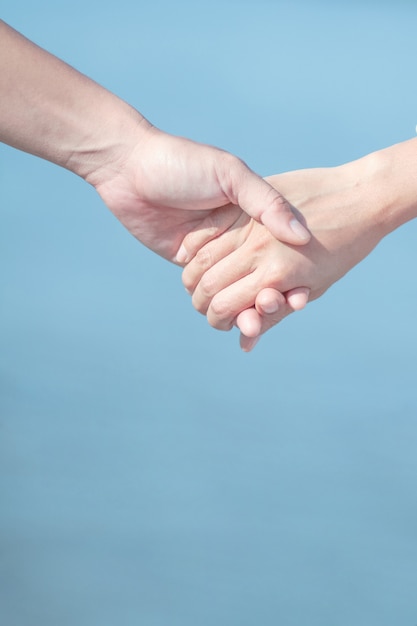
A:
[225,305]
[268,301]
[215,251]
[261,201]
[213,269]
[219,221]
[249,323]
[263,322]
[298,298]
[271,307]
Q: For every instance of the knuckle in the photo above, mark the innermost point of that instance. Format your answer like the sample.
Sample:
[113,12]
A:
[230,161]
[276,273]
[231,173]
[207,285]
[276,202]
[220,314]
[204,258]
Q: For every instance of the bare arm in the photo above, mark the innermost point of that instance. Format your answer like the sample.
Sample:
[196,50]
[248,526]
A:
[158,185]
[51,110]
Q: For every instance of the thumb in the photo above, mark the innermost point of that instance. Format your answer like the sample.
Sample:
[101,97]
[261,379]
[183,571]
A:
[263,202]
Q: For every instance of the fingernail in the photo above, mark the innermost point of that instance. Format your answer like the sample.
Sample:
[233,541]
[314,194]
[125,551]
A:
[270,307]
[299,230]
[182,255]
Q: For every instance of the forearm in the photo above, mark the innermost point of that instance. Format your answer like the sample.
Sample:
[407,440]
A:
[380,188]
[49,109]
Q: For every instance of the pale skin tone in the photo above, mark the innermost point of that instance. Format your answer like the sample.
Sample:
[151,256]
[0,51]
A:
[163,187]
[244,276]
[159,186]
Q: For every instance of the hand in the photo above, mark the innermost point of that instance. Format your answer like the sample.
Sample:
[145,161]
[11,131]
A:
[162,187]
[158,185]
[227,275]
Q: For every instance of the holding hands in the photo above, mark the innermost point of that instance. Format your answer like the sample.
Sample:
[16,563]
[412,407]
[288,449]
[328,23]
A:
[162,187]
[254,250]
[247,278]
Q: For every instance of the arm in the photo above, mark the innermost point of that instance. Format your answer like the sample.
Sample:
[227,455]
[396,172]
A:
[159,186]
[348,210]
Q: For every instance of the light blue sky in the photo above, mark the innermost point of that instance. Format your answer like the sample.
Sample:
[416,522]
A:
[150,472]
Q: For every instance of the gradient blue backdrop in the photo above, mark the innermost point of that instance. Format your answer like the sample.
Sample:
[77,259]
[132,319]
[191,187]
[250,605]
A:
[151,474]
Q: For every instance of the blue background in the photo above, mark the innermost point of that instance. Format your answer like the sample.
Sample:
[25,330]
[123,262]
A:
[150,472]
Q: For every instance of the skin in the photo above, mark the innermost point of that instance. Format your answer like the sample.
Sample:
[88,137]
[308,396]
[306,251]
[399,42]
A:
[247,278]
[159,186]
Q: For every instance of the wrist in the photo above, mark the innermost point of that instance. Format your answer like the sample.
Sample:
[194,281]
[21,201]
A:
[116,131]
[387,183]
[51,110]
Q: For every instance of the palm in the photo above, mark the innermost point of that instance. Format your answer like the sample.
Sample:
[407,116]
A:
[164,192]
[160,228]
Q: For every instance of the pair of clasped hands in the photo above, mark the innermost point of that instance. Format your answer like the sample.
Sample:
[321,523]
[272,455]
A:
[261,253]
[253,250]
[241,273]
